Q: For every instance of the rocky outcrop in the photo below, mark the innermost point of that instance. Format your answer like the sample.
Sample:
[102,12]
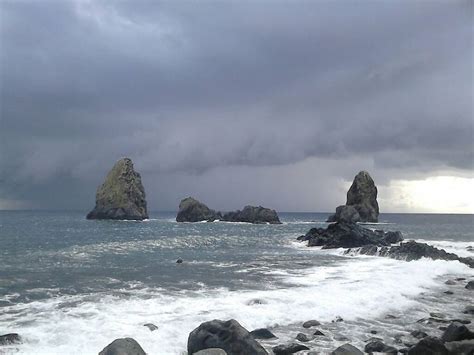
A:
[191,210]
[124,346]
[121,196]
[227,335]
[252,214]
[349,235]
[362,196]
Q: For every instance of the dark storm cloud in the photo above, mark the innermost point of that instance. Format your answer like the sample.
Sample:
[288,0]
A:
[198,91]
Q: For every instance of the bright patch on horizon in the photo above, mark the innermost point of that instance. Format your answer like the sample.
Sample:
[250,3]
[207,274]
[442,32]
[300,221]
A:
[441,194]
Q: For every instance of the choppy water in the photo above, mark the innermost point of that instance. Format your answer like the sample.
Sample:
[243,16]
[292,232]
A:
[71,286]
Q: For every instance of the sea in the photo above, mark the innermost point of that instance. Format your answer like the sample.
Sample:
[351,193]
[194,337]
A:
[71,286]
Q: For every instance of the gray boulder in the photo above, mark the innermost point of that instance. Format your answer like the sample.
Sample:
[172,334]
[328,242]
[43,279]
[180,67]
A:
[287,349]
[347,349]
[362,196]
[227,335]
[211,351]
[191,210]
[262,333]
[121,196]
[457,332]
[124,346]
[252,214]
[428,346]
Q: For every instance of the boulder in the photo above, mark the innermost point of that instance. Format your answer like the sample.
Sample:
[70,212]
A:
[428,346]
[11,338]
[252,214]
[227,335]
[347,349]
[470,285]
[286,349]
[349,235]
[311,323]
[362,198]
[457,332]
[379,347]
[121,196]
[303,337]
[418,334]
[191,210]
[151,326]
[211,351]
[262,333]
[124,346]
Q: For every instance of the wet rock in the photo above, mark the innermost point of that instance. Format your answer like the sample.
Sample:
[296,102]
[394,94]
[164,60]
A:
[390,316]
[378,346]
[151,326]
[457,332]
[449,292]
[191,210]
[428,346]
[319,333]
[211,351]
[460,279]
[124,346]
[341,338]
[437,315]
[373,332]
[419,334]
[121,196]
[470,285]
[345,214]
[227,335]
[256,301]
[450,282]
[311,323]
[285,349]
[11,338]
[468,310]
[347,349]
[303,337]
[465,347]
[337,319]
[262,333]
[252,214]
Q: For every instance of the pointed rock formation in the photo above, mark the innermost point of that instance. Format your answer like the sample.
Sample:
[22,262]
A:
[362,198]
[191,210]
[121,196]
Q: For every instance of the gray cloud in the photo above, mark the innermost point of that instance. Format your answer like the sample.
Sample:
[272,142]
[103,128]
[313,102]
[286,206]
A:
[234,92]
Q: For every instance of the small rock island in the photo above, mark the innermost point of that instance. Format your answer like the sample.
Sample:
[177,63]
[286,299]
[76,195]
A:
[121,196]
[361,204]
[192,210]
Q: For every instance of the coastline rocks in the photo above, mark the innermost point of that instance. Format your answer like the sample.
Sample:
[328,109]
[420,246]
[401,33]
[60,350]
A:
[12,338]
[303,337]
[227,335]
[252,214]
[362,197]
[286,349]
[191,210]
[470,285]
[311,323]
[151,326]
[379,347]
[457,332]
[349,235]
[121,196]
[347,349]
[428,346]
[262,333]
[211,351]
[124,346]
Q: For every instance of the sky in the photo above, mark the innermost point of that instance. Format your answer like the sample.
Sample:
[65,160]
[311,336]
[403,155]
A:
[273,103]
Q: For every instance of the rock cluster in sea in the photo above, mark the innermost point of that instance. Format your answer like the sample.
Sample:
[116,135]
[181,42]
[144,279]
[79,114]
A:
[361,204]
[192,210]
[121,196]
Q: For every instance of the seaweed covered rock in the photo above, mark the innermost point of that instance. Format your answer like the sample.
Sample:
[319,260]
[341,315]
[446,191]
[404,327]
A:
[121,196]
[252,214]
[191,210]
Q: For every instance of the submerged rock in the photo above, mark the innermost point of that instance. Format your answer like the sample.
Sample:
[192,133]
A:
[12,338]
[347,349]
[362,200]
[151,326]
[252,214]
[286,349]
[349,235]
[227,335]
[121,196]
[191,210]
[124,346]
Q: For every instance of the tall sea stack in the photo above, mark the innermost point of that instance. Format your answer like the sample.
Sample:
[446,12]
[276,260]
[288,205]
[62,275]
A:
[122,195]
[361,204]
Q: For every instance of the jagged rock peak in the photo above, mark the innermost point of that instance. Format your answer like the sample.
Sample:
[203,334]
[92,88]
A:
[122,195]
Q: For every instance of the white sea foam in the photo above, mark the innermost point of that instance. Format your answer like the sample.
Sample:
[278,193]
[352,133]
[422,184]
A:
[363,287]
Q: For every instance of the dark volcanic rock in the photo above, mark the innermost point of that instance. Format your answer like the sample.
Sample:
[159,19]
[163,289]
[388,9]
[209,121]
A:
[428,346]
[347,349]
[125,346]
[286,349]
[311,323]
[227,335]
[151,326]
[191,210]
[378,346]
[470,285]
[302,337]
[457,332]
[12,338]
[262,333]
[121,196]
[362,200]
[252,214]
[350,235]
